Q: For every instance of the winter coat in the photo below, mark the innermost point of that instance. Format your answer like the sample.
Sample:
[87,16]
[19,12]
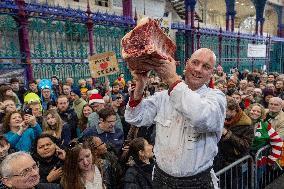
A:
[236,143]
[45,167]
[278,124]
[70,117]
[139,176]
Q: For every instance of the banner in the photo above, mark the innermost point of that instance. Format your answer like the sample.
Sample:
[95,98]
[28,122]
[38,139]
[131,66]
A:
[103,64]
[256,51]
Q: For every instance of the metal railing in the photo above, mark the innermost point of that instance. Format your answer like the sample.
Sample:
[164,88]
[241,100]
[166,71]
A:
[237,175]
[247,173]
[265,174]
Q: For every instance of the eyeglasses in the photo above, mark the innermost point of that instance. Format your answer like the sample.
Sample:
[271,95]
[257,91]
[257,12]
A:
[94,146]
[27,172]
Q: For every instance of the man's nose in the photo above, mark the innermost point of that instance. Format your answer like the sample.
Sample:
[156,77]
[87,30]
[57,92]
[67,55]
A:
[198,68]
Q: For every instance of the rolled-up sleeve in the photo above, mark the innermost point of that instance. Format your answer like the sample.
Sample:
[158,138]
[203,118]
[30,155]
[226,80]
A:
[144,113]
[205,112]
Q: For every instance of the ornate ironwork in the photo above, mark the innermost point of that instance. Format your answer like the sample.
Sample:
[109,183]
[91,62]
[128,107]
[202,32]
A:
[9,42]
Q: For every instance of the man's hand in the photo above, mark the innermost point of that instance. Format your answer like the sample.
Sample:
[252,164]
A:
[166,70]
[141,79]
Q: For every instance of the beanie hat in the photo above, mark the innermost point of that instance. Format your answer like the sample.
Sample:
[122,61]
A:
[83,90]
[77,92]
[96,98]
[267,92]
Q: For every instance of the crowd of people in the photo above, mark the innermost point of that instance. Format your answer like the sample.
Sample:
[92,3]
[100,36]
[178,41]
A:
[159,130]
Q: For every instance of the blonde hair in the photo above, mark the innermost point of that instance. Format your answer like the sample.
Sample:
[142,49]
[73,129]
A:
[58,124]
[262,110]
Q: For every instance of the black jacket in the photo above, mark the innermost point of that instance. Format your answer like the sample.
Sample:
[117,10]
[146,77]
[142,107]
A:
[139,176]
[45,167]
[70,117]
[48,186]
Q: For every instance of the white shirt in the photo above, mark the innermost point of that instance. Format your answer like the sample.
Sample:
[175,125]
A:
[188,127]
[97,182]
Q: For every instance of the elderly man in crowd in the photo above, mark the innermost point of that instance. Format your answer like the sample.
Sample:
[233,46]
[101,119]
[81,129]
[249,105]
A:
[189,121]
[276,115]
[20,171]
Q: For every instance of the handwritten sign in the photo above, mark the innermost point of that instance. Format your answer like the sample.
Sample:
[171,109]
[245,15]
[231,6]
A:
[103,64]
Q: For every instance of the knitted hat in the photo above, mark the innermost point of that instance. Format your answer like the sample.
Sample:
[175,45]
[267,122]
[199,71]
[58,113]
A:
[96,98]
[77,92]
[83,90]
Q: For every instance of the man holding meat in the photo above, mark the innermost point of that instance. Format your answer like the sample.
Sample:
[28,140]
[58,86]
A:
[189,121]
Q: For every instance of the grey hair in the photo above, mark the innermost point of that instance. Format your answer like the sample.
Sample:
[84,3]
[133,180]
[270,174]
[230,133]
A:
[5,166]
[277,99]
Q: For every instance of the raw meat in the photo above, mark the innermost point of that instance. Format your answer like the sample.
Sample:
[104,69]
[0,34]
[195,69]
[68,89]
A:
[146,41]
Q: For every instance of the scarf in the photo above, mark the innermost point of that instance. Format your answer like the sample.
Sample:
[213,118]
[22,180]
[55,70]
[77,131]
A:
[234,120]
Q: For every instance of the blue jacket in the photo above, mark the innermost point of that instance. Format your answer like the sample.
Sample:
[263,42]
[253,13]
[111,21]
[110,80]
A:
[114,138]
[25,141]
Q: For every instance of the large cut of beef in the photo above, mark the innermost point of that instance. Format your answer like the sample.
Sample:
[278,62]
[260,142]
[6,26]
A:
[146,41]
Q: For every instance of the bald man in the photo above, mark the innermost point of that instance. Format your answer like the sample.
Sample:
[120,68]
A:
[189,121]
[276,115]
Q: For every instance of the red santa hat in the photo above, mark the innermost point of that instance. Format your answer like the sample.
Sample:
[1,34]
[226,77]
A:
[96,98]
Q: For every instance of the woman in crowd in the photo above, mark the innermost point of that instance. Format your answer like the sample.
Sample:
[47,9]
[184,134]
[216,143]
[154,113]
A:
[53,124]
[237,136]
[6,91]
[20,132]
[79,171]
[139,174]
[83,122]
[264,134]
[50,158]
[6,106]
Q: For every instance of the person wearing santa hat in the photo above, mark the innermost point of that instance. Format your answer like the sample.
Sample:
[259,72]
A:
[97,103]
